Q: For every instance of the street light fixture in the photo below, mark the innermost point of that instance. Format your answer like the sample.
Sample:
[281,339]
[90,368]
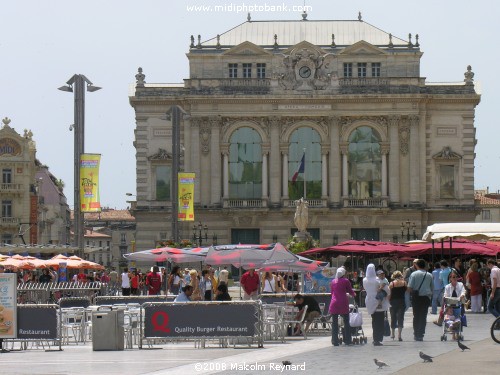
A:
[198,235]
[77,85]
[406,226]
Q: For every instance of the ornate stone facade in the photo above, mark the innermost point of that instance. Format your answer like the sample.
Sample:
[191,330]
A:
[334,85]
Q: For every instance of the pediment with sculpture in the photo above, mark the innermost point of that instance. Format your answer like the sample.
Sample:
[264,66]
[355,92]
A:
[305,67]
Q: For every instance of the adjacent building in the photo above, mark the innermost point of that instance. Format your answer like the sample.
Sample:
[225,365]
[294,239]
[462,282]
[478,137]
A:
[381,147]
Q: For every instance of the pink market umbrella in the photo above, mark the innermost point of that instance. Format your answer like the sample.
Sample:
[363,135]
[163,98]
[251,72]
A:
[39,263]
[163,254]
[362,247]
[246,256]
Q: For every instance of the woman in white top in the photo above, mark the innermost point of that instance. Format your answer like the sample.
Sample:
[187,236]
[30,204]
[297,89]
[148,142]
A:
[455,288]
[269,283]
[375,307]
[125,283]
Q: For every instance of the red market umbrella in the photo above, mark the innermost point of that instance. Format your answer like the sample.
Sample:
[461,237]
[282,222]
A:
[458,246]
[361,248]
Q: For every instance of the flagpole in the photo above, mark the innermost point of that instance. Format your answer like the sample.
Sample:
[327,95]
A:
[304,174]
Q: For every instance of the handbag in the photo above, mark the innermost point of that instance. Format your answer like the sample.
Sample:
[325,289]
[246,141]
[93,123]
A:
[355,319]
[387,327]
[416,293]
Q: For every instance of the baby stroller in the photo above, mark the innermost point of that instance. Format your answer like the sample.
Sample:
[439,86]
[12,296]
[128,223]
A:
[454,318]
[356,323]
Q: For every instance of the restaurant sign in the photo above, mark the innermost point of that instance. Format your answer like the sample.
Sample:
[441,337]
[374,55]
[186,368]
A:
[183,320]
[8,305]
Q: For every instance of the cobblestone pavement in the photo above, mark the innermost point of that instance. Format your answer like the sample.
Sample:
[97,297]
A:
[315,355]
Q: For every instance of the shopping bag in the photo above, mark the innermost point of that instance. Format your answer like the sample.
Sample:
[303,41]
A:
[387,327]
[355,319]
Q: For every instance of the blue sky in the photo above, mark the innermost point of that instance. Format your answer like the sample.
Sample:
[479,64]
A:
[43,43]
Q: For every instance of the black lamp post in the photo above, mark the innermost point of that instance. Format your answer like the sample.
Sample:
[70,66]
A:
[78,84]
[405,227]
[200,233]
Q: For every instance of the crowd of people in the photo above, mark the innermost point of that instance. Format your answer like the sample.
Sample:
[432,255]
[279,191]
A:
[476,289]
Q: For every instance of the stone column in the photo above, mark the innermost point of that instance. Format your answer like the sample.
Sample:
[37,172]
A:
[195,157]
[225,172]
[284,154]
[324,174]
[384,152]
[186,143]
[215,162]
[275,163]
[334,180]
[265,152]
[414,159]
[345,169]
[394,195]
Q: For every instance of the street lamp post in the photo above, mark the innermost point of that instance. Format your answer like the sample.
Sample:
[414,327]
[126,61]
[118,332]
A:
[198,236]
[405,227]
[77,85]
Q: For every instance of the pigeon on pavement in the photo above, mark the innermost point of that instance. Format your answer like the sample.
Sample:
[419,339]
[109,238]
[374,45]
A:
[286,363]
[425,357]
[380,364]
[462,346]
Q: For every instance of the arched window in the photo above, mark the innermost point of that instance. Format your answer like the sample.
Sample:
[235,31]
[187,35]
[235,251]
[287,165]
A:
[308,139]
[365,163]
[245,164]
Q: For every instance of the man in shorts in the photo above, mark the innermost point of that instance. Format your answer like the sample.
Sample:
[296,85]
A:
[313,311]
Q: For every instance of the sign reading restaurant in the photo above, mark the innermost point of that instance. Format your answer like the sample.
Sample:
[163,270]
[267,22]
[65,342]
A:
[304,106]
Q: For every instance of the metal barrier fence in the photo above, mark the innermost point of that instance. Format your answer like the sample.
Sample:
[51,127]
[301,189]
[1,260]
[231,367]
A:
[123,300]
[51,292]
[221,320]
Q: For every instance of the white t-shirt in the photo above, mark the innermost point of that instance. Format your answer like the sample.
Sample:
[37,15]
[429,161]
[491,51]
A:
[125,280]
[495,274]
[269,285]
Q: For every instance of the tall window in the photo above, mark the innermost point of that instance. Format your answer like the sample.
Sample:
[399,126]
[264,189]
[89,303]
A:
[233,70]
[7,176]
[7,239]
[364,163]
[376,69]
[261,70]
[247,70]
[7,208]
[446,181]
[245,164]
[309,139]
[361,69]
[486,215]
[163,178]
[347,69]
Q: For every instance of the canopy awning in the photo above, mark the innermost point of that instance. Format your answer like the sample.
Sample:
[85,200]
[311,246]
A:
[476,230]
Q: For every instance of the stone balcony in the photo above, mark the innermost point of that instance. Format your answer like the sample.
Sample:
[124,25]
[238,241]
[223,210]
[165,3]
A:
[365,202]
[11,188]
[10,221]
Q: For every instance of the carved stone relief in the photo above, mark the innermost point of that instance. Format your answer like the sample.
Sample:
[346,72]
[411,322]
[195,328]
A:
[305,68]
[205,134]
[162,154]
[404,136]
[447,154]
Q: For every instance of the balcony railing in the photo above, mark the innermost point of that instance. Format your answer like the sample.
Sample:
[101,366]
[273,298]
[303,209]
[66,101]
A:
[10,221]
[312,203]
[11,187]
[245,203]
[365,202]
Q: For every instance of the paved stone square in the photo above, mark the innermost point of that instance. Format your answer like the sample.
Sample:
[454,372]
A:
[312,356]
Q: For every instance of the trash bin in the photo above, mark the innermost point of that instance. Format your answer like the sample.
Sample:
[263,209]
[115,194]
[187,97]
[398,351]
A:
[107,330]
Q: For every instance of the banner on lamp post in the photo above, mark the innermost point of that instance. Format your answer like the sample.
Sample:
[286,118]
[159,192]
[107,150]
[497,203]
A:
[89,183]
[186,197]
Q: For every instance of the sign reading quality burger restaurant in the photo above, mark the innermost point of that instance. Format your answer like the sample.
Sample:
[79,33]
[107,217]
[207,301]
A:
[8,305]
[200,320]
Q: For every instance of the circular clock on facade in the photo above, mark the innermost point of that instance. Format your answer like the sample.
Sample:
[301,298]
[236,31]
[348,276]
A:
[305,72]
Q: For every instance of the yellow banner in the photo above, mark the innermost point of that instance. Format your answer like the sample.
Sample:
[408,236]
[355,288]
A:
[186,197]
[89,183]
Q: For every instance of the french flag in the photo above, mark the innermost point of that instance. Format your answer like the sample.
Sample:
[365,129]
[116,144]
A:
[300,169]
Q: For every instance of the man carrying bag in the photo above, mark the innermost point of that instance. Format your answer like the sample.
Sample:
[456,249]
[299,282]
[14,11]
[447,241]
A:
[420,287]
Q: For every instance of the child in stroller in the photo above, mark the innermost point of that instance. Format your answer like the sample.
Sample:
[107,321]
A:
[453,317]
